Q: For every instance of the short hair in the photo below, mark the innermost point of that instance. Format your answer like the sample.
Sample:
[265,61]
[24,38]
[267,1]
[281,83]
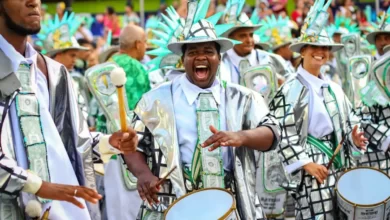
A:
[110,10]
[129,35]
[217,47]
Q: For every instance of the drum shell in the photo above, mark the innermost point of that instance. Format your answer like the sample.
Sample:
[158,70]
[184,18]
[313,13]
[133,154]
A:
[350,211]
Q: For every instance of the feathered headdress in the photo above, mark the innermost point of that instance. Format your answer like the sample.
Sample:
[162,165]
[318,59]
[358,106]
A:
[313,32]
[58,36]
[381,27]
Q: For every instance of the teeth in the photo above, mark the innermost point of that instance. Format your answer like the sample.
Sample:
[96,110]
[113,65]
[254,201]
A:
[200,66]
[318,58]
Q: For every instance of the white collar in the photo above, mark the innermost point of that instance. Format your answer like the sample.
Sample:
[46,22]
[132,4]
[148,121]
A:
[235,58]
[316,83]
[192,91]
[15,57]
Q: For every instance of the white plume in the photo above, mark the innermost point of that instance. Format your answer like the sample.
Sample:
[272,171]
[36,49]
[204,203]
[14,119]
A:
[34,209]
[118,76]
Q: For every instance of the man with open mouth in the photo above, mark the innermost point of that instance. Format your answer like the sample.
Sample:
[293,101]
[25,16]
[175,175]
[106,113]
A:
[194,118]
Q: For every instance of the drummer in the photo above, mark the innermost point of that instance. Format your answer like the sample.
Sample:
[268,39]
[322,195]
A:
[314,121]
[173,120]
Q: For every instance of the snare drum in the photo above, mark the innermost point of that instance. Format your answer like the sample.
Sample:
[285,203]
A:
[363,193]
[205,204]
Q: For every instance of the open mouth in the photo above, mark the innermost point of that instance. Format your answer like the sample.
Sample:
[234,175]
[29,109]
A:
[202,72]
[319,58]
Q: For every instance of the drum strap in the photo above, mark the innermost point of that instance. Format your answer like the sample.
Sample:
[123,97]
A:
[324,149]
[333,109]
[205,164]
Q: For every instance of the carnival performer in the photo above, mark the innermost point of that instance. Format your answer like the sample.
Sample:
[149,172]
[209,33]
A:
[381,36]
[171,132]
[314,121]
[58,42]
[132,48]
[46,149]
[373,115]
[242,33]
[277,32]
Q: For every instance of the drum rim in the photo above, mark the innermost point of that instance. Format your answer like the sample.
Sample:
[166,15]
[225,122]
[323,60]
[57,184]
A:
[232,208]
[356,204]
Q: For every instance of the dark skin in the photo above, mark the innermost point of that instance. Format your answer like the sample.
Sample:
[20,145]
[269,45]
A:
[18,19]
[285,52]
[245,35]
[204,54]
[382,40]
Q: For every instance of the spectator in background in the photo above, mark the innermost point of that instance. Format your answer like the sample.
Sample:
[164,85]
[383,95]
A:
[83,55]
[60,9]
[182,10]
[45,17]
[264,9]
[111,22]
[349,10]
[130,16]
[97,27]
[297,14]
[221,5]
[84,33]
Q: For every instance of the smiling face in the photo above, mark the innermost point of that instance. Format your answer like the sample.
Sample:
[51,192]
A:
[314,57]
[245,35]
[22,16]
[382,40]
[201,63]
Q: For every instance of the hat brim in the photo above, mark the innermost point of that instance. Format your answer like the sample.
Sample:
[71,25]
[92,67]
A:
[224,43]
[281,45]
[52,53]
[264,46]
[104,56]
[371,36]
[296,47]
[231,30]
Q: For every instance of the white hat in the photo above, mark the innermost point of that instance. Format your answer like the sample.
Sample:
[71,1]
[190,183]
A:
[313,31]
[383,27]
[201,32]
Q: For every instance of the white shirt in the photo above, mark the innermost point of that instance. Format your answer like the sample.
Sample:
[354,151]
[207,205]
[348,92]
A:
[60,168]
[185,95]
[235,60]
[320,123]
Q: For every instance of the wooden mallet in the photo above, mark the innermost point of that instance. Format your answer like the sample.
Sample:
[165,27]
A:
[335,153]
[118,78]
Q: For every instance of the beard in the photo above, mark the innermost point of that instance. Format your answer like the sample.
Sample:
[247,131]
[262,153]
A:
[18,29]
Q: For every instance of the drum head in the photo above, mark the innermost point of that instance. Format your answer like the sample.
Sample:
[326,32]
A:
[208,204]
[364,186]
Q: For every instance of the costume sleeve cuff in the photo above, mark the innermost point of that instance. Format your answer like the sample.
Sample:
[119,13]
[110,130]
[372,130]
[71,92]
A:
[385,144]
[106,150]
[276,137]
[33,183]
[297,165]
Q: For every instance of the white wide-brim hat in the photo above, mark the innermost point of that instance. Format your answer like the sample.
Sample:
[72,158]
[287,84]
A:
[321,40]
[52,53]
[371,36]
[201,32]
[243,21]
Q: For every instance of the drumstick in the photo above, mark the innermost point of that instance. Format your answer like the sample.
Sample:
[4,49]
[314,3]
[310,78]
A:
[335,153]
[118,78]
[165,177]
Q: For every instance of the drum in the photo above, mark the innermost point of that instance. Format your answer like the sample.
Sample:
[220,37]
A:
[363,193]
[205,204]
